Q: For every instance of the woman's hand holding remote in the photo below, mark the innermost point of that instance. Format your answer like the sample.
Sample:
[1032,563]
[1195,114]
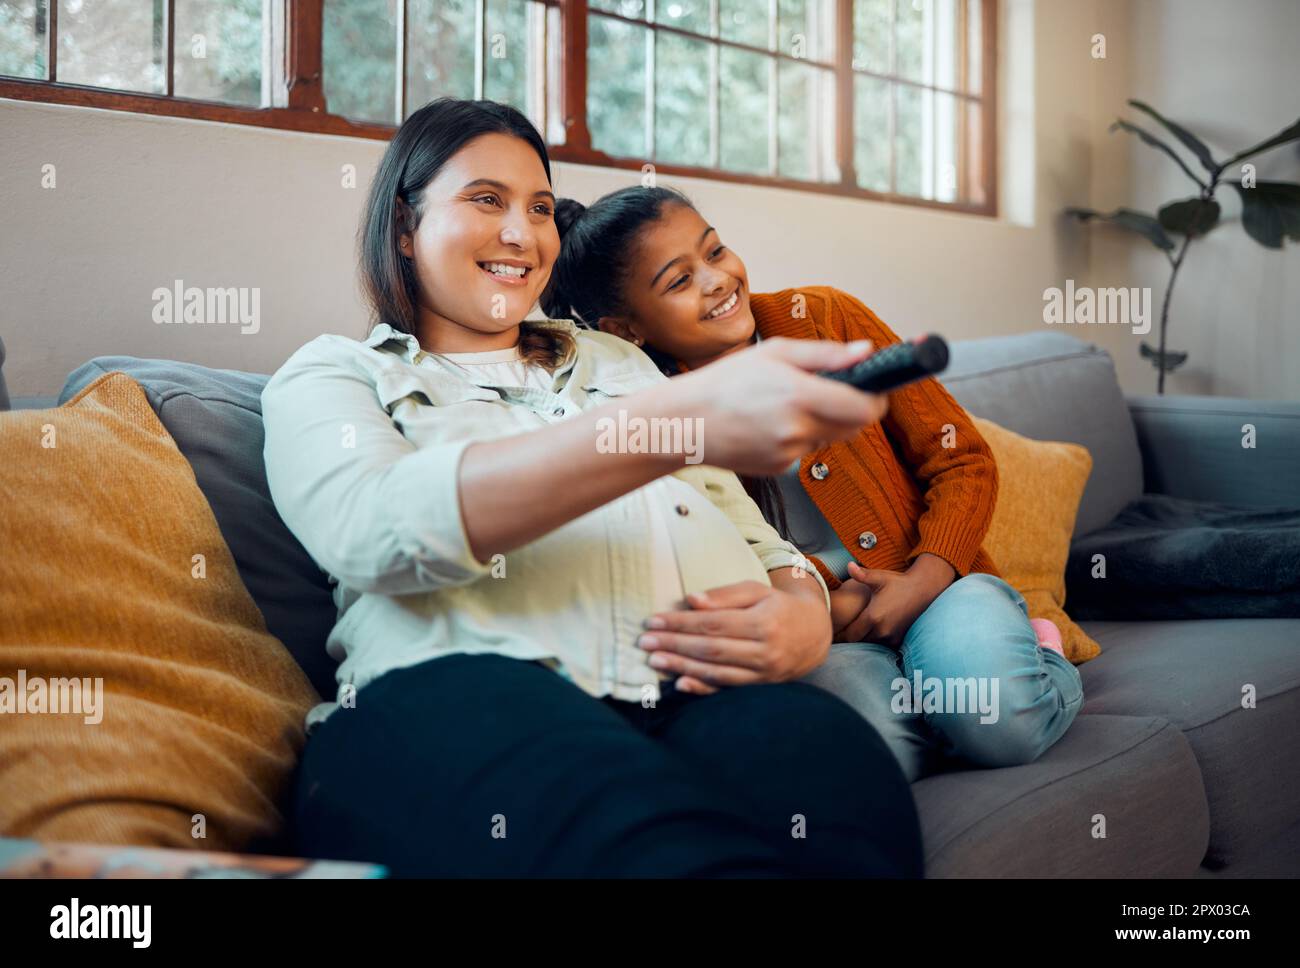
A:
[761,408]
[764,407]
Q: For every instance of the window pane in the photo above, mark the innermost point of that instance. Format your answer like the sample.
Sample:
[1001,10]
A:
[974,188]
[745,21]
[909,36]
[219,50]
[945,153]
[616,85]
[871,35]
[871,103]
[805,29]
[681,100]
[628,8]
[927,41]
[508,51]
[975,46]
[359,55]
[927,144]
[806,97]
[742,111]
[439,50]
[22,38]
[113,43]
[692,15]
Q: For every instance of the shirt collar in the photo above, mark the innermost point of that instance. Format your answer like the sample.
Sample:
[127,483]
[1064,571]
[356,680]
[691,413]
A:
[383,334]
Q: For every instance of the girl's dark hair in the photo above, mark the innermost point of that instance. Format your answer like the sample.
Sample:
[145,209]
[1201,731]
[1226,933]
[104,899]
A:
[598,244]
[422,145]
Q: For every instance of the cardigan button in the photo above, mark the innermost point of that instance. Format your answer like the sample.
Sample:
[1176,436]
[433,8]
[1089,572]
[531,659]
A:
[820,471]
[867,540]
[683,510]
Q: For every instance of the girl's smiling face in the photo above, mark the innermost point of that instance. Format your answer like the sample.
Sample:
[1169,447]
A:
[485,245]
[685,294]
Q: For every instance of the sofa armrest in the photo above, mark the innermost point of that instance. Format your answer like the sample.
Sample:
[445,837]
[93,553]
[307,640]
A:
[1200,448]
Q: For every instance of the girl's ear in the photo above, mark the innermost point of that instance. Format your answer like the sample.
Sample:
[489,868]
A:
[618,326]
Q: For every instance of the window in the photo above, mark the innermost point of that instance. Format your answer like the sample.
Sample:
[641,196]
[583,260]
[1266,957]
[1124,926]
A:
[204,49]
[875,98]
[740,85]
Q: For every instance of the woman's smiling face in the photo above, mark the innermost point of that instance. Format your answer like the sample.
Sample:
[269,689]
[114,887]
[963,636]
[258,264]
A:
[485,245]
[686,294]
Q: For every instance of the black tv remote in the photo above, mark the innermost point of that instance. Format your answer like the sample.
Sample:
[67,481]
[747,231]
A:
[895,365]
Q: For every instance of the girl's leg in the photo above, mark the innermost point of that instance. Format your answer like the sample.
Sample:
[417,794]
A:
[813,774]
[976,639]
[480,765]
[866,676]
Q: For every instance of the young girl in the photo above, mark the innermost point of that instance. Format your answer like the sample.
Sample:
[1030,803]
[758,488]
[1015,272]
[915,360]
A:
[495,566]
[892,517]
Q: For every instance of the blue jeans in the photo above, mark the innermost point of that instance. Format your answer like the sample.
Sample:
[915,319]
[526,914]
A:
[969,682]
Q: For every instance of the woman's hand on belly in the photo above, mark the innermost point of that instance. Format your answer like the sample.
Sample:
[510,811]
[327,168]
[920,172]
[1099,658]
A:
[741,634]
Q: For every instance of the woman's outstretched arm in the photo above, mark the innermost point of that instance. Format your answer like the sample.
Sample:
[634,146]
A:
[380,514]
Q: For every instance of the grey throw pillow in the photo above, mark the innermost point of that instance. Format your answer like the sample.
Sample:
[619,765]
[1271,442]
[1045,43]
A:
[215,417]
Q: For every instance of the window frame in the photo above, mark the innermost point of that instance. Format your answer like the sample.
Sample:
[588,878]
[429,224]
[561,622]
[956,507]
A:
[298,101]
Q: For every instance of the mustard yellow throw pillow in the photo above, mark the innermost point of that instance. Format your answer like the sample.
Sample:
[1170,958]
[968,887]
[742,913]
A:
[1040,484]
[141,699]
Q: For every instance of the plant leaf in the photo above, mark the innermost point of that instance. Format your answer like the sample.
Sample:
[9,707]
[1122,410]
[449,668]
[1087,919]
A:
[1139,222]
[1282,137]
[1193,144]
[1156,143]
[1169,361]
[1192,216]
[1270,212]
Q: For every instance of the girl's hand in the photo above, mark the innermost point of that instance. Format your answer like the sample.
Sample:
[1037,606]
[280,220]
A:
[847,603]
[762,407]
[896,599]
[739,635]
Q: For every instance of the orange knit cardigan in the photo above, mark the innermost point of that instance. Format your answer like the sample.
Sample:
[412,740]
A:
[895,490]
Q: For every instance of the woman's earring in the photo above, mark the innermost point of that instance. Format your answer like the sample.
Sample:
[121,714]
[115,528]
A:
[637,340]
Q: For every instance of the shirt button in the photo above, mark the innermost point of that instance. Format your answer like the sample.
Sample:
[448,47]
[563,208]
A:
[867,540]
[683,510]
[820,471]
[558,411]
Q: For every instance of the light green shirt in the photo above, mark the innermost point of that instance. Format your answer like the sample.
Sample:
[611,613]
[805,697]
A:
[363,447]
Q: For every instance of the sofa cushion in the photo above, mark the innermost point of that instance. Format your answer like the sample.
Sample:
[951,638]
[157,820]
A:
[1040,819]
[1194,673]
[116,587]
[1051,386]
[215,417]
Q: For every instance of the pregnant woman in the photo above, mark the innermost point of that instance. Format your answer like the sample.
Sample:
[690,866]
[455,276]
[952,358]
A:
[893,515]
[501,710]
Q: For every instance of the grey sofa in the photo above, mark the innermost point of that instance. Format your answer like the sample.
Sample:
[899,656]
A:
[1163,773]
[1185,780]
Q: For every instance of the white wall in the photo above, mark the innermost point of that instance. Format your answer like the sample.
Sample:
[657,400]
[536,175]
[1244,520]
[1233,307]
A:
[1227,71]
[141,201]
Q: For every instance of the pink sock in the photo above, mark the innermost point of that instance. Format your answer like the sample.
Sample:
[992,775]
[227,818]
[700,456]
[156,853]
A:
[1049,636]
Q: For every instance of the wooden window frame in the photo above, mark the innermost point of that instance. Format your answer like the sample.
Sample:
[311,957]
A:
[298,101]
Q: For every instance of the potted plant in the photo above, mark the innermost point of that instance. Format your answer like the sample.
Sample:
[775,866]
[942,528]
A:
[1270,211]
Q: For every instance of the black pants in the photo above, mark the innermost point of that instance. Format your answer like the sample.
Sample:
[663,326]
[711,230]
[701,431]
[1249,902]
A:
[480,765]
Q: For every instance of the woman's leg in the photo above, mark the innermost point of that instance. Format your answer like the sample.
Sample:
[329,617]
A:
[976,639]
[813,774]
[479,765]
[866,676]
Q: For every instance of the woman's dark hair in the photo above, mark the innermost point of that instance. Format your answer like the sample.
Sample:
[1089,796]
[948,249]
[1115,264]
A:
[422,145]
[598,244]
